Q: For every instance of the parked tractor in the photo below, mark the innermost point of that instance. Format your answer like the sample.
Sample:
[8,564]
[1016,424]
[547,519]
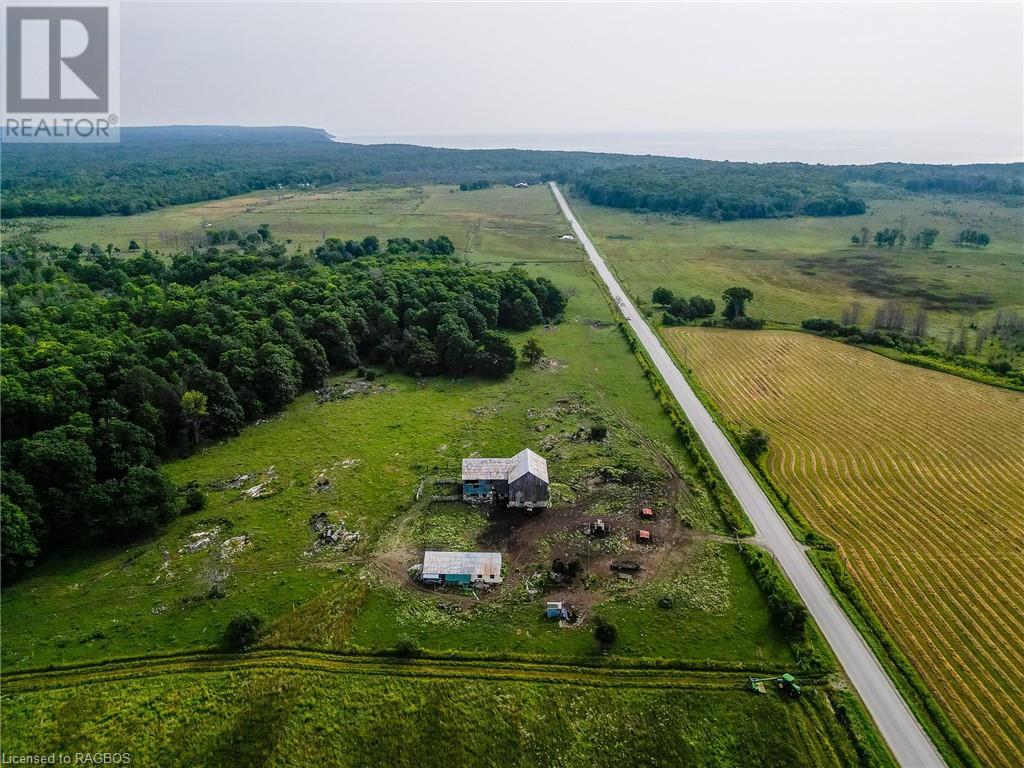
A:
[785,683]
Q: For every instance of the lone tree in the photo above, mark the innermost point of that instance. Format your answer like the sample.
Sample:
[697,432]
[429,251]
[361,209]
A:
[605,633]
[662,296]
[243,631]
[532,352]
[736,302]
[754,444]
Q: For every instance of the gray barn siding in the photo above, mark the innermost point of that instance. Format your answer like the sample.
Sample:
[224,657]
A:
[528,489]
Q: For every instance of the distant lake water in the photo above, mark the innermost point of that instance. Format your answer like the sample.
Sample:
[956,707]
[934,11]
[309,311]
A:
[830,147]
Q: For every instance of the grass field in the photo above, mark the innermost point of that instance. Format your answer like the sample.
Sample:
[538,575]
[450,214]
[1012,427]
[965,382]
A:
[157,596]
[283,710]
[916,475]
[805,267]
[375,448]
[305,218]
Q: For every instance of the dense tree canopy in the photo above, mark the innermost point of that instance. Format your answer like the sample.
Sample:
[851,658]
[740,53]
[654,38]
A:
[111,364]
[155,167]
[722,191]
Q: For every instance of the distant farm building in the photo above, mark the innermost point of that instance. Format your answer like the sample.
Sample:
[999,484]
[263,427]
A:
[647,513]
[461,568]
[521,185]
[521,480]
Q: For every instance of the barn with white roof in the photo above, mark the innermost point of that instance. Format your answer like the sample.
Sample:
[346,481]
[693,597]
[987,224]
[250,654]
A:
[461,568]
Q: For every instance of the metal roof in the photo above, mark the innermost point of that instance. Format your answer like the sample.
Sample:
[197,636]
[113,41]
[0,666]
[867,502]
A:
[485,469]
[485,564]
[528,461]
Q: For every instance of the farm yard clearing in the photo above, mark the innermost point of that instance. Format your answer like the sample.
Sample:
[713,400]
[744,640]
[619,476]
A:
[915,476]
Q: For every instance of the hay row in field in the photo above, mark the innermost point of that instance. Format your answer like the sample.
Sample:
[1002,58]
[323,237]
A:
[916,476]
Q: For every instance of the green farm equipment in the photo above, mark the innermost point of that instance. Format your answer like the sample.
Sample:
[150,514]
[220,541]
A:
[785,682]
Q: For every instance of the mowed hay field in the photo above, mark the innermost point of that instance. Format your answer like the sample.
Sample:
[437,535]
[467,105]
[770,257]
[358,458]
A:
[300,711]
[917,477]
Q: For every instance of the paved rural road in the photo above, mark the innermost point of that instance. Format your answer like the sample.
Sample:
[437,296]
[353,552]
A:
[898,726]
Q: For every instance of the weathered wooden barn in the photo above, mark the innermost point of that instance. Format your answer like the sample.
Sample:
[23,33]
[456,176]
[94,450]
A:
[522,480]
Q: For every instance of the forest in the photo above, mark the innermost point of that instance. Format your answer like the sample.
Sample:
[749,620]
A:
[155,167]
[980,178]
[723,191]
[113,363]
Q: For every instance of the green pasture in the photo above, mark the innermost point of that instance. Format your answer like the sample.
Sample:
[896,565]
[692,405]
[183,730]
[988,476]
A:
[806,266]
[156,595]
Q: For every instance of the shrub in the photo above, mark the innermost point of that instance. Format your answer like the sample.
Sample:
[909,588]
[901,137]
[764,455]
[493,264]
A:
[406,648]
[532,352]
[816,540]
[745,323]
[754,443]
[195,498]
[605,633]
[680,310]
[821,325]
[598,432]
[662,296]
[243,631]
[784,603]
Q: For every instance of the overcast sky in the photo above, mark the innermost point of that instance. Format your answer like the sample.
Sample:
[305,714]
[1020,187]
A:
[932,73]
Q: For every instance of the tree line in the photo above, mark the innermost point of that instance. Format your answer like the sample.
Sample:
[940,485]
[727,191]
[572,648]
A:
[895,237]
[679,310]
[155,167]
[896,326]
[112,364]
[722,191]
[975,179]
